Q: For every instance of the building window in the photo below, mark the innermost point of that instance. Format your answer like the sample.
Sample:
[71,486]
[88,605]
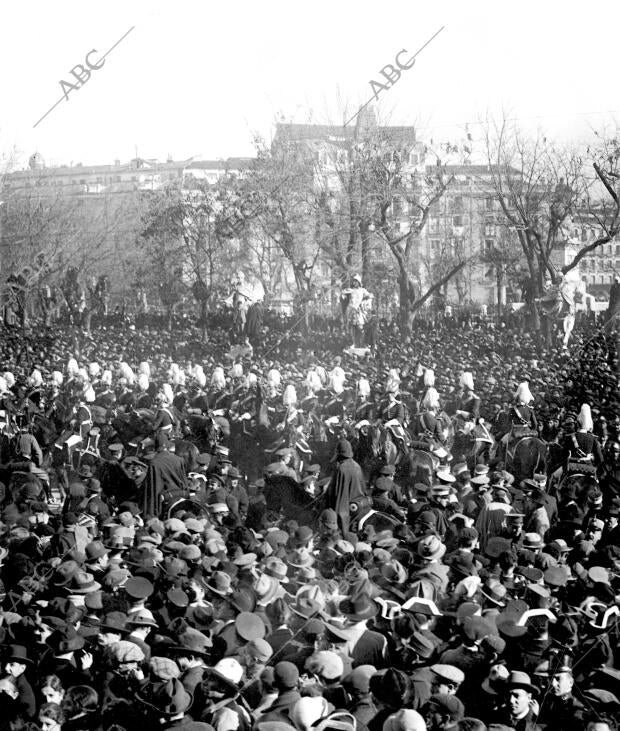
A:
[457,220]
[489,229]
[413,158]
[397,206]
[488,245]
[433,225]
[458,203]
[434,245]
[488,204]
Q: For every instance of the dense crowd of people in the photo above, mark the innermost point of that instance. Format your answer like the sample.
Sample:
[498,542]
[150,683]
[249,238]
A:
[151,584]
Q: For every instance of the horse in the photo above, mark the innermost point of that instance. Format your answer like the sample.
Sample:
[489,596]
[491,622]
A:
[470,444]
[285,496]
[528,456]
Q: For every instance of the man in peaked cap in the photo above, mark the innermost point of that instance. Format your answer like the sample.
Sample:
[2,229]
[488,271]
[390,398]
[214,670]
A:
[561,708]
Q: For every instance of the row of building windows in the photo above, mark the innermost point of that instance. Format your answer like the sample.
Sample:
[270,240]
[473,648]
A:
[599,278]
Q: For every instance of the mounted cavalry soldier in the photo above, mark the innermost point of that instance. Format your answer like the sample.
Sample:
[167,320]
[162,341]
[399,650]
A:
[165,420]
[522,417]
[467,405]
[428,427]
[582,449]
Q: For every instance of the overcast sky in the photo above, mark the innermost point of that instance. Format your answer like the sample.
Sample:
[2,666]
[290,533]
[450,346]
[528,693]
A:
[200,78]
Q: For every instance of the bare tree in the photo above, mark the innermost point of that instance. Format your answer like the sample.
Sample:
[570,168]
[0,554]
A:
[541,187]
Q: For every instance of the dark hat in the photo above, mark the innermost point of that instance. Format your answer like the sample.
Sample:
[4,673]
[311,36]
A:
[192,642]
[171,698]
[449,705]
[358,608]
[138,587]
[391,688]
[421,645]
[18,653]
[286,675]
[114,622]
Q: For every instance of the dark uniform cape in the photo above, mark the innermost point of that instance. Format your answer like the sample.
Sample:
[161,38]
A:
[346,485]
[166,472]
[469,402]
[429,427]
[586,443]
[395,410]
[522,415]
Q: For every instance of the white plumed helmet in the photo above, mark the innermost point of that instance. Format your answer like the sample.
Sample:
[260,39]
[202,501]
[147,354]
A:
[143,381]
[57,378]
[467,380]
[313,380]
[336,382]
[429,377]
[585,418]
[218,379]
[289,397]
[363,387]
[83,374]
[127,373]
[274,378]
[145,368]
[9,378]
[106,377]
[37,378]
[523,393]
[89,394]
[236,371]
[94,369]
[72,367]
[431,399]
[200,376]
[168,393]
[3,385]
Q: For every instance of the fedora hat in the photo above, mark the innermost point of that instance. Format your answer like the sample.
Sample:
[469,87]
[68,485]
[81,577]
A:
[192,642]
[300,559]
[229,671]
[306,606]
[519,679]
[358,608]
[276,568]
[82,583]
[170,698]
[220,583]
[494,592]
[431,548]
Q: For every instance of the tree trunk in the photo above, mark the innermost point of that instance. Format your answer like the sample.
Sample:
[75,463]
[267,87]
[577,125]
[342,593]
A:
[404,301]
[203,319]
[366,260]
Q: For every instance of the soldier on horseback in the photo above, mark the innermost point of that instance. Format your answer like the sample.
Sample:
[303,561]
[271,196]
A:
[582,449]
[522,417]
[428,427]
